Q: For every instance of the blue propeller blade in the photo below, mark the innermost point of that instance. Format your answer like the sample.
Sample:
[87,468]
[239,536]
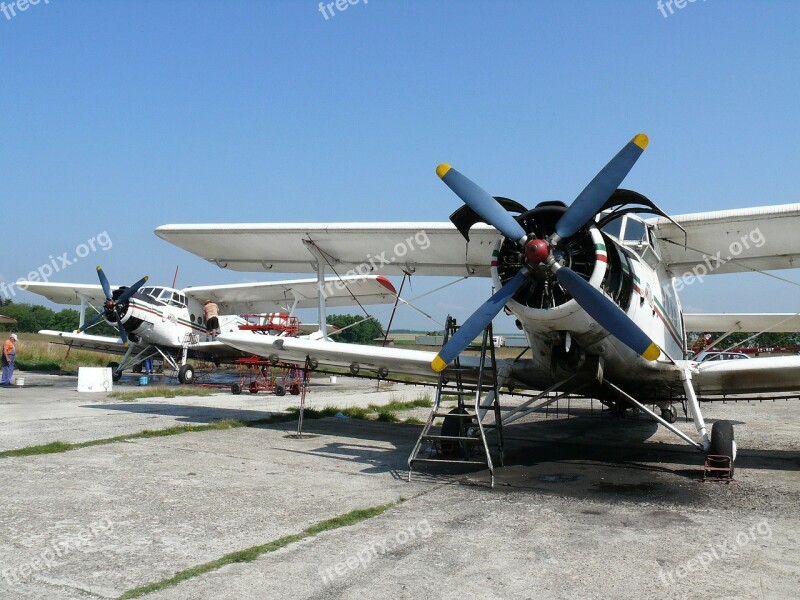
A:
[594,196]
[481,202]
[131,290]
[123,335]
[477,322]
[91,322]
[104,283]
[607,314]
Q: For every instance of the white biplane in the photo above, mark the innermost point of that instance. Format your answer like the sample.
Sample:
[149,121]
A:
[593,285]
[168,324]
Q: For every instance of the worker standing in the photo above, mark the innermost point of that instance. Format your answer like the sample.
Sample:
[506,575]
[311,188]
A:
[9,353]
[210,314]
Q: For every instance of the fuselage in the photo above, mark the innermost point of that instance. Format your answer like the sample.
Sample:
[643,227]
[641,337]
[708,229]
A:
[623,260]
[166,317]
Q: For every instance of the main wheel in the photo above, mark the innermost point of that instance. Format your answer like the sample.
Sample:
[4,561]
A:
[236,389]
[115,375]
[186,374]
[669,414]
[722,442]
[455,427]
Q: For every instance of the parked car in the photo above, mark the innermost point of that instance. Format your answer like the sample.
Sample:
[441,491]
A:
[708,355]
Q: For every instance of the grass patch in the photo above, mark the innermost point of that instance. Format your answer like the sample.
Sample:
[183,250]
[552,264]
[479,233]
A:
[58,446]
[41,355]
[250,554]
[161,391]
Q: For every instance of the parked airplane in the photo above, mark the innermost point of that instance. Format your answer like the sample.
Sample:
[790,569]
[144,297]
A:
[166,323]
[593,285]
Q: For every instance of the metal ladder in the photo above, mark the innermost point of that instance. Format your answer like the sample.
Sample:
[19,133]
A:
[462,435]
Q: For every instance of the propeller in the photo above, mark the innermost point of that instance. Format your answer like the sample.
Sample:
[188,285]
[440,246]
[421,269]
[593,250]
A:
[540,252]
[114,308]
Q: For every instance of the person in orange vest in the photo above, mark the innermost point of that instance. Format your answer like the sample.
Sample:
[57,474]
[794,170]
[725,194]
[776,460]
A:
[9,352]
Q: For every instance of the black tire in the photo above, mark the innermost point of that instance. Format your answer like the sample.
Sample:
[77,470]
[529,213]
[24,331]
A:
[236,389]
[670,415]
[455,427]
[295,389]
[115,375]
[137,368]
[253,389]
[280,390]
[186,374]
[722,439]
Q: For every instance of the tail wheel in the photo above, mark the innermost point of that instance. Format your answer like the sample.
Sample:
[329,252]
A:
[186,374]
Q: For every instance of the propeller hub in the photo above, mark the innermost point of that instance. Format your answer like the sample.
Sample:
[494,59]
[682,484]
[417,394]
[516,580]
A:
[536,252]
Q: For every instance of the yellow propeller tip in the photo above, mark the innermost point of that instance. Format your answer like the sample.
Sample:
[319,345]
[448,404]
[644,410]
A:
[146,278]
[438,364]
[442,170]
[652,352]
[641,140]
[99,268]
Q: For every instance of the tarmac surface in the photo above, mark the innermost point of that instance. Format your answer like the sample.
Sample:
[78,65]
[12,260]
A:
[587,506]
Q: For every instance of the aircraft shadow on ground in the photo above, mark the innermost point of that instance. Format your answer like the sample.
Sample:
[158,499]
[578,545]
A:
[583,437]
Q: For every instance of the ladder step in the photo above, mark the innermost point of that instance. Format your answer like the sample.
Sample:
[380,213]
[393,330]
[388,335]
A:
[456,415]
[450,460]
[453,438]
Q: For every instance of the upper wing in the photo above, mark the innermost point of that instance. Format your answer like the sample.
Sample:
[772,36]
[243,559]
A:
[239,299]
[85,341]
[390,248]
[748,322]
[66,293]
[731,241]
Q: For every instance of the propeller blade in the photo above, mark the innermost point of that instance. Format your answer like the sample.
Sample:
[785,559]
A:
[594,196]
[104,283]
[607,314]
[477,322]
[123,335]
[132,290]
[481,202]
[91,322]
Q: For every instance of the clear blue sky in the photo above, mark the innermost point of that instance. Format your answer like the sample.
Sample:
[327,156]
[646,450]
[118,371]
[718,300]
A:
[122,116]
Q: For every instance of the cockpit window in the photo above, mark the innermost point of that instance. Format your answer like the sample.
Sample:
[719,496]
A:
[613,227]
[634,230]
